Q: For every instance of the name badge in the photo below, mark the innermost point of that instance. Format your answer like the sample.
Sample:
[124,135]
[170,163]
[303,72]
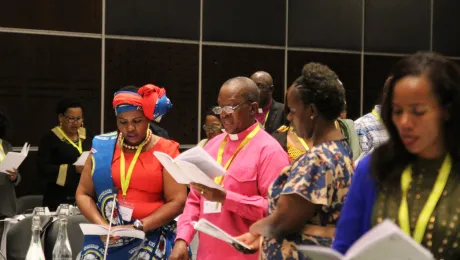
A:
[126,210]
[211,207]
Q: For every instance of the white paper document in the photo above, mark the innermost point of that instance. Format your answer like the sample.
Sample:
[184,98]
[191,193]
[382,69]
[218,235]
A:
[194,165]
[82,159]
[13,160]
[208,228]
[98,230]
[385,241]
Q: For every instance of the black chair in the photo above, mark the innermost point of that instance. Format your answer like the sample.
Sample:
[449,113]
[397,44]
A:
[73,231]
[26,204]
[19,236]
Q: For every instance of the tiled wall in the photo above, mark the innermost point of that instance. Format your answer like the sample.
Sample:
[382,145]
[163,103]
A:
[88,49]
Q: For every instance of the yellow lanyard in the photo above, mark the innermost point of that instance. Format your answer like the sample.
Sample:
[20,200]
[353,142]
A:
[336,125]
[220,153]
[2,152]
[304,144]
[425,214]
[376,114]
[79,148]
[126,178]
[266,117]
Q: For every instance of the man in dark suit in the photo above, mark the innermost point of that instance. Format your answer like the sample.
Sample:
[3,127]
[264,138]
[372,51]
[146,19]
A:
[271,113]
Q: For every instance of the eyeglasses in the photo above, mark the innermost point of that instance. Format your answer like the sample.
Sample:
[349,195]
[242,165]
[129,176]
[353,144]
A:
[211,128]
[226,109]
[73,119]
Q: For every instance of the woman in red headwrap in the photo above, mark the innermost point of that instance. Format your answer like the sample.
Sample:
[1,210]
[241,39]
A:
[122,164]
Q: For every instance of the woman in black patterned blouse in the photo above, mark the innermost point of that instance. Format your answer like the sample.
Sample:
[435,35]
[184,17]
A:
[58,150]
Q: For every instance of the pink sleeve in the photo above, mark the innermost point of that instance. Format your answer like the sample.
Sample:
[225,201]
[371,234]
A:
[256,207]
[185,230]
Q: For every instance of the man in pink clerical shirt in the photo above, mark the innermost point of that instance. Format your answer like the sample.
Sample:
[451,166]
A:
[253,160]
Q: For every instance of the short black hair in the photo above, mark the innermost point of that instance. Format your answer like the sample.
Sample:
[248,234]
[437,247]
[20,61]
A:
[321,86]
[209,112]
[67,103]
[130,89]
[390,159]
[3,122]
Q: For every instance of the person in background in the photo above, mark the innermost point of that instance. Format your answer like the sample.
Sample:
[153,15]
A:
[270,113]
[417,170]
[253,160]
[9,179]
[348,130]
[347,127]
[306,199]
[370,129]
[294,145]
[125,160]
[212,127]
[58,150]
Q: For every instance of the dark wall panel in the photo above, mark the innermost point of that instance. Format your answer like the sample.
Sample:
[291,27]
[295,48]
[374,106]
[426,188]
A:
[347,67]
[376,71]
[30,184]
[73,16]
[255,21]
[325,24]
[446,27]
[223,63]
[172,66]
[397,26]
[39,70]
[167,19]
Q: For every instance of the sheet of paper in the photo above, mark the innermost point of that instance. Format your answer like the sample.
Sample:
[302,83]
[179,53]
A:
[25,149]
[98,230]
[82,159]
[12,161]
[207,227]
[172,168]
[196,175]
[199,157]
[92,229]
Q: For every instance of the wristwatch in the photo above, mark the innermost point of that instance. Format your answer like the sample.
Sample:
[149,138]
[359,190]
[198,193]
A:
[138,225]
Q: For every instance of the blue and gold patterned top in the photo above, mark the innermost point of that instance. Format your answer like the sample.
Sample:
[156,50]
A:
[321,176]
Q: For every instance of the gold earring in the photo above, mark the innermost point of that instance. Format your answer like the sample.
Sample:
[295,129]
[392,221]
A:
[60,124]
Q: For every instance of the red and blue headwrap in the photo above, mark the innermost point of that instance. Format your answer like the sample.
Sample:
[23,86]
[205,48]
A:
[151,99]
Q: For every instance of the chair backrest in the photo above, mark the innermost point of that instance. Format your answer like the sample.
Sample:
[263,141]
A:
[19,235]
[28,203]
[74,233]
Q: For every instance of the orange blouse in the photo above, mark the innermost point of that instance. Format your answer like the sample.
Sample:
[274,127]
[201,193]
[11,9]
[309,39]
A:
[145,190]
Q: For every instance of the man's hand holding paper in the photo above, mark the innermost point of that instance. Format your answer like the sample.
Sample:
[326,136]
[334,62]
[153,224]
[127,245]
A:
[210,194]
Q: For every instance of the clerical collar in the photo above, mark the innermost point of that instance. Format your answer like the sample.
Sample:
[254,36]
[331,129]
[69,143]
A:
[265,108]
[241,135]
